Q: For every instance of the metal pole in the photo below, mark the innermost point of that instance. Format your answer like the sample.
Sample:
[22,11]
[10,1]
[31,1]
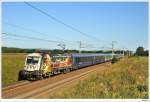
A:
[123,51]
[63,46]
[80,44]
[112,49]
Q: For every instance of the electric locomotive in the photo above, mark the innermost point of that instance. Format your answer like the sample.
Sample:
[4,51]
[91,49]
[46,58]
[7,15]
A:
[41,65]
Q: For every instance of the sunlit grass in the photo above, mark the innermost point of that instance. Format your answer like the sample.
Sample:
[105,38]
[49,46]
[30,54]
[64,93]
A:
[11,64]
[127,78]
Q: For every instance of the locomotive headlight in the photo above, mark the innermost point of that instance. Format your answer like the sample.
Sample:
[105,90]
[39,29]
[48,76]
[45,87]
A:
[34,67]
[31,67]
[25,67]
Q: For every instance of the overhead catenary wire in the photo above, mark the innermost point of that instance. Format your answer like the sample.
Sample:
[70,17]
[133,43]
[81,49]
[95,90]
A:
[59,21]
[7,35]
[63,23]
[26,29]
[10,38]
[32,38]
[37,32]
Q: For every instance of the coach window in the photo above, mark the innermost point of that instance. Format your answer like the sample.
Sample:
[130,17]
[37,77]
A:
[85,59]
[88,59]
[82,59]
[77,59]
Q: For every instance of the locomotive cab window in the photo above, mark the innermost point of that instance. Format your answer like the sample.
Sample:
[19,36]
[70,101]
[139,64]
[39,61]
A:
[32,60]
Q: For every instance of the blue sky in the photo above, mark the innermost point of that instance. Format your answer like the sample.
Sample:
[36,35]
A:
[124,22]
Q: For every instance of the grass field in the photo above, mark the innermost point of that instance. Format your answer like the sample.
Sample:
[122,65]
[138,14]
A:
[127,78]
[11,64]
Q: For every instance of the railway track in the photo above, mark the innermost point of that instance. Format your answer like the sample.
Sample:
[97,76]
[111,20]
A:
[17,84]
[57,85]
[41,88]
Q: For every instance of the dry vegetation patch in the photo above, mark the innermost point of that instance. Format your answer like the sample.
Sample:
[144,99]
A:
[127,78]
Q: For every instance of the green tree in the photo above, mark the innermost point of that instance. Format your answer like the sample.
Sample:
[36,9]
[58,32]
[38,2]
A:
[140,51]
[146,53]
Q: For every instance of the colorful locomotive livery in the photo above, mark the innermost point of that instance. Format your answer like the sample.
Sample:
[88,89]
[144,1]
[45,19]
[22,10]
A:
[41,65]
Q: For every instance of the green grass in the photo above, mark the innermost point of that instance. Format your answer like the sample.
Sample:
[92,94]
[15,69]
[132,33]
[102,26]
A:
[11,64]
[127,78]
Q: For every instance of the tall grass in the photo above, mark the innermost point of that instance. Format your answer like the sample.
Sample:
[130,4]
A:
[127,78]
[11,64]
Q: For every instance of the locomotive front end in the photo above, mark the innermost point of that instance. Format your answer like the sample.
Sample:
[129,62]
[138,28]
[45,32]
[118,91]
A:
[31,69]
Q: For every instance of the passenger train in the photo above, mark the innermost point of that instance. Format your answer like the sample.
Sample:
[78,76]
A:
[41,65]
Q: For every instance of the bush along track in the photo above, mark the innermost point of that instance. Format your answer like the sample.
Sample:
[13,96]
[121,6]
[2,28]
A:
[128,78]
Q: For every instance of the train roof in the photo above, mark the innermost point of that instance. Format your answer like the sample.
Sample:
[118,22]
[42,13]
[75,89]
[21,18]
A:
[79,55]
[73,54]
[82,54]
[34,54]
[90,54]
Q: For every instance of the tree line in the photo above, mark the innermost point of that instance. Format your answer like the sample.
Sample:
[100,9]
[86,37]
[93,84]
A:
[139,51]
[54,51]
